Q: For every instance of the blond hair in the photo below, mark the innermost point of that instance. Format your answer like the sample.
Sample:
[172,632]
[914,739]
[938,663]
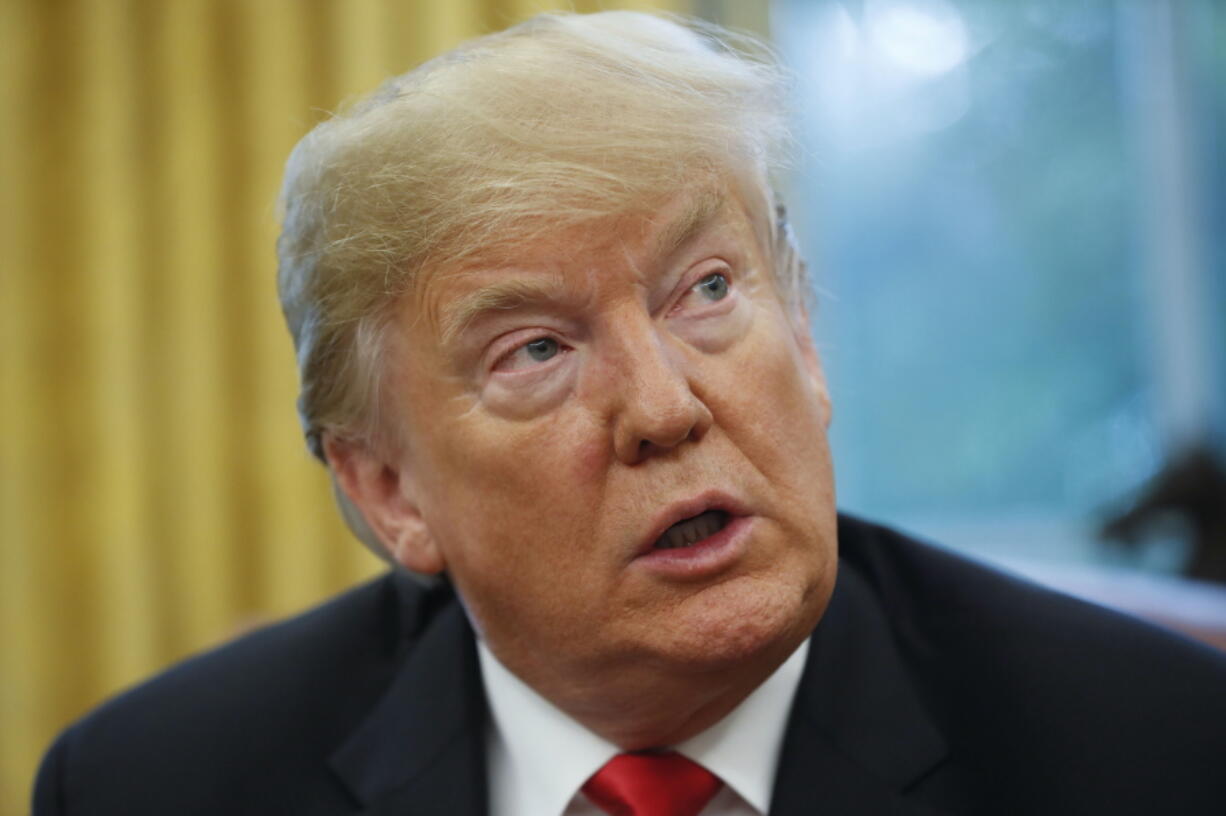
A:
[560,120]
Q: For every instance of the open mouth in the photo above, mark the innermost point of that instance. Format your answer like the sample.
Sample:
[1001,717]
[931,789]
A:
[690,531]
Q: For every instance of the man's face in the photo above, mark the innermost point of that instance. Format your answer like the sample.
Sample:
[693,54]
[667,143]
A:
[561,407]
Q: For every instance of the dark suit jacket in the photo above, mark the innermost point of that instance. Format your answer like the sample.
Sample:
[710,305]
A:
[933,685]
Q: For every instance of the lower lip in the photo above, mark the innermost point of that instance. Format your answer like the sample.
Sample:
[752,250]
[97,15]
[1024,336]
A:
[702,559]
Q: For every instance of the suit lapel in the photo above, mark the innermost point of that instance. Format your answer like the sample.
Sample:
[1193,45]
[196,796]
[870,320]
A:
[421,750]
[858,735]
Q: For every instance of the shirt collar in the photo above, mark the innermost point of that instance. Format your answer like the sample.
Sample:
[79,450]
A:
[743,748]
[539,757]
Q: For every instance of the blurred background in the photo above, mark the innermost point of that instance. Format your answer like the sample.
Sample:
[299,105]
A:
[1013,211]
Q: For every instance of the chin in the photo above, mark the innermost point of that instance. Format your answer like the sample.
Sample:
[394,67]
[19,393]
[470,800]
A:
[746,621]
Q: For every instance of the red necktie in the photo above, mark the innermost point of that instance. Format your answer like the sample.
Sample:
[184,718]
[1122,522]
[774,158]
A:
[651,785]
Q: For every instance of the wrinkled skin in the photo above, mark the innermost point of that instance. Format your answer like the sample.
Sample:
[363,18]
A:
[545,428]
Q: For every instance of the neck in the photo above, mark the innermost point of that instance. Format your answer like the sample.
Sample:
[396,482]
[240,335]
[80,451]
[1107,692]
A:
[665,721]
[649,708]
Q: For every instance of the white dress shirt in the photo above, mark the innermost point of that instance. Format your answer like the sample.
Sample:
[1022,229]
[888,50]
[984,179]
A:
[539,757]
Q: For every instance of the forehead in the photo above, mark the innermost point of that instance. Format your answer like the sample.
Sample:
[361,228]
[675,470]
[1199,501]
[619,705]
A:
[552,260]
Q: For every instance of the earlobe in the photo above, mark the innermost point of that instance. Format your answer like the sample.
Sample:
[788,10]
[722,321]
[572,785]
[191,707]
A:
[382,492]
[415,548]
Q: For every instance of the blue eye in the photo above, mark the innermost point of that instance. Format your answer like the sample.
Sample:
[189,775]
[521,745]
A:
[713,287]
[542,349]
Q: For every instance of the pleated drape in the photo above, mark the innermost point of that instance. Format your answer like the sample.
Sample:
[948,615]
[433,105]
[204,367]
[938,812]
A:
[155,494]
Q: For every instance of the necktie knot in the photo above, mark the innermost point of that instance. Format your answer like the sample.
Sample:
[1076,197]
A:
[652,784]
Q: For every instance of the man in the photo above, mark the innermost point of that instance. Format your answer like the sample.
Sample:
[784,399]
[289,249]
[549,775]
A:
[554,351]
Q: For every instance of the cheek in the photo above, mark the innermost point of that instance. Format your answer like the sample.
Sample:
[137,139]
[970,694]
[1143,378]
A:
[770,402]
[516,527]
[589,457]
[503,482]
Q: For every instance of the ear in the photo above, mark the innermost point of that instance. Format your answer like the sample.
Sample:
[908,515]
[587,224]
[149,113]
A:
[803,333]
[383,492]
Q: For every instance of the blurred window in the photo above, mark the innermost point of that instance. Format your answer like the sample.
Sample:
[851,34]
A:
[1009,209]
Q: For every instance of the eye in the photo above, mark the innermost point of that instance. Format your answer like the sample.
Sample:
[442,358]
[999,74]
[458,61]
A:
[541,349]
[713,287]
[526,355]
[701,298]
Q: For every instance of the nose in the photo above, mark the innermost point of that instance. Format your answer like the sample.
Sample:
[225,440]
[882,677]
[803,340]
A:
[656,409]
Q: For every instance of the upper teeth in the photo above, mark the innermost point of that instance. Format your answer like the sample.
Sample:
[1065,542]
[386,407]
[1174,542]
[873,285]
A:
[686,532]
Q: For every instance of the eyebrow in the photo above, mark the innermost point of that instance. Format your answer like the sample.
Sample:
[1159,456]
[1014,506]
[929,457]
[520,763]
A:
[499,296]
[513,293]
[697,215]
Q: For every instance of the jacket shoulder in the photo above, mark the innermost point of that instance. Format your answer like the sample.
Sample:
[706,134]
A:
[279,699]
[935,597]
[1055,704]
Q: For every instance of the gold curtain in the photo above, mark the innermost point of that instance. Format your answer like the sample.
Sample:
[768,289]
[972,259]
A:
[155,494]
